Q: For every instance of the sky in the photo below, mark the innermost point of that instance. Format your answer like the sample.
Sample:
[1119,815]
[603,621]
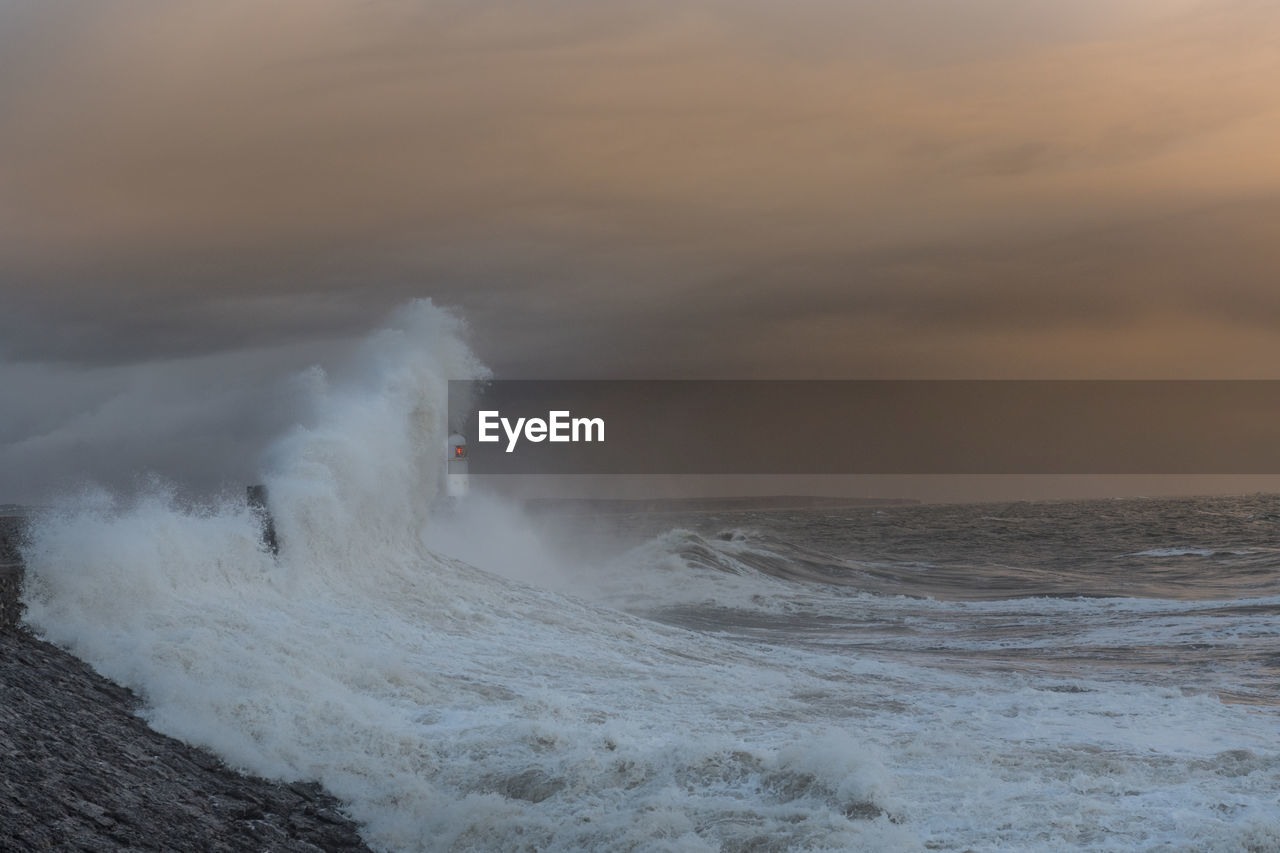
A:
[215,194]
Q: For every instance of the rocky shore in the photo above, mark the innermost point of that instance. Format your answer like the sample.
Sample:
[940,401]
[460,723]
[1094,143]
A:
[79,770]
[11,528]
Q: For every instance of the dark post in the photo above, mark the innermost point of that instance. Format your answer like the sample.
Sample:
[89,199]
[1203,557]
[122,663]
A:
[258,504]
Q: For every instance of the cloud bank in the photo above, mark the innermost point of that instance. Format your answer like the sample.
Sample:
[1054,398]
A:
[706,189]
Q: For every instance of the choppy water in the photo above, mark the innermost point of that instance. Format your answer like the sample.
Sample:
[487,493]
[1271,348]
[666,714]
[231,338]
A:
[1138,590]
[1097,676]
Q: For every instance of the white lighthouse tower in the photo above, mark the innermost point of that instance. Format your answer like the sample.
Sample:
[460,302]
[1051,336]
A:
[457,480]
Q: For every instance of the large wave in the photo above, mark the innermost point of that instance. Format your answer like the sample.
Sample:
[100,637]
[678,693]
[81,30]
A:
[452,707]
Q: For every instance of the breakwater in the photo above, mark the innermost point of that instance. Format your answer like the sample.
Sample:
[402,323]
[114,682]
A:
[12,529]
[82,771]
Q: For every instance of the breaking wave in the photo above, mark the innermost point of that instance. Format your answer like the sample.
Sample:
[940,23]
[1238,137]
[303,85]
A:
[524,704]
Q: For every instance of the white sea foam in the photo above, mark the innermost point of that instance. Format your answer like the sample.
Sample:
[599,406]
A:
[462,707]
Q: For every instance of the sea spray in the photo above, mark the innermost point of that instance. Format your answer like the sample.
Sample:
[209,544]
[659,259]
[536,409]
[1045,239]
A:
[451,707]
[447,706]
[357,485]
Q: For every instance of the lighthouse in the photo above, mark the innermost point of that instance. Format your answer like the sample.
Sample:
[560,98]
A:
[456,479]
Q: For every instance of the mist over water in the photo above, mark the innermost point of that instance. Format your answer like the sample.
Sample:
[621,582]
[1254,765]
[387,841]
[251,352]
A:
[1049,677]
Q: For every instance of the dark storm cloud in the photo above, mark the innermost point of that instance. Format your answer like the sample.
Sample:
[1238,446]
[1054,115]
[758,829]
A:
[998,188]
[1093,301]
[1216,261]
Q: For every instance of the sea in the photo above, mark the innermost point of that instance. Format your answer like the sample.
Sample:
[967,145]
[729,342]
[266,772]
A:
[467,676]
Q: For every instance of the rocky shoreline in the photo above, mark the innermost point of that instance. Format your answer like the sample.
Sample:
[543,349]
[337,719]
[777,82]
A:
[80,770]
[11,531]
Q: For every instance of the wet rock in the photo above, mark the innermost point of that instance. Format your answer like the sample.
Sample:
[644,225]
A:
[12,530]
[80,771]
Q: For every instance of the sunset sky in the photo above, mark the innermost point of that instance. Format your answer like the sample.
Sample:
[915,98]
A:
[701,189]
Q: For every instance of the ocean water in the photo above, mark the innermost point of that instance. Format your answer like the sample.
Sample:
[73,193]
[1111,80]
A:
[1040,676]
